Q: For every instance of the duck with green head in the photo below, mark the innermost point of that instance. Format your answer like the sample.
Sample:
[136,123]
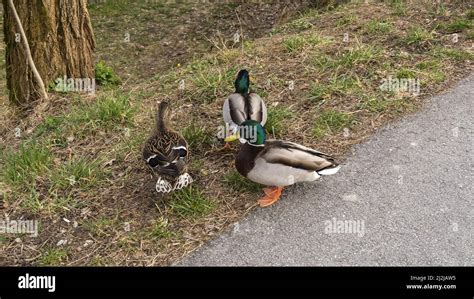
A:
[243,104]
[277,163]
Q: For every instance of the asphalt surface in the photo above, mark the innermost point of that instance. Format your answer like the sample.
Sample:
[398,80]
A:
[408,191]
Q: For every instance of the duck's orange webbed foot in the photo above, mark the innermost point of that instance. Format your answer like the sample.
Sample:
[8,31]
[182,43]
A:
[271,196]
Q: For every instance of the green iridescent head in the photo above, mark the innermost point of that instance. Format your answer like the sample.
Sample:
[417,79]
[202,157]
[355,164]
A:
[252,132]
[242,82]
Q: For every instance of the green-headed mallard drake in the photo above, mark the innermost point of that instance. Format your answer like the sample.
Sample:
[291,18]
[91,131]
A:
[277,163]
[166,153]
[243,105]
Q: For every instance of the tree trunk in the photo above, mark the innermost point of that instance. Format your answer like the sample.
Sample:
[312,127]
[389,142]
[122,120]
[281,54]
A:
[61,40]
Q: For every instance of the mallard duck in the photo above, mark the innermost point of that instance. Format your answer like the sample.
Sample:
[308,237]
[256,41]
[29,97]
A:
[166,153]
[243,105]
[277,163]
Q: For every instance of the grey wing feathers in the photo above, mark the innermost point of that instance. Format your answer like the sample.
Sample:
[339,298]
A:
[236,112]
[295,155]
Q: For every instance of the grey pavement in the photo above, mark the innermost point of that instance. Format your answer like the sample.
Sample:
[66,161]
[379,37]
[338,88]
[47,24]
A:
[403,197]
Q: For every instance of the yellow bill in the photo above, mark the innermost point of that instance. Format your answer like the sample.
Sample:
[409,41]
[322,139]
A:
[232,138]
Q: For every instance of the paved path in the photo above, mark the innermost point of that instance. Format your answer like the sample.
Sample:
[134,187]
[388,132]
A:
[411,184]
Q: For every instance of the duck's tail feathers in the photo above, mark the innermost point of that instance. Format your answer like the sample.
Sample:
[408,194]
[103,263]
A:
[161,116]
[329,171]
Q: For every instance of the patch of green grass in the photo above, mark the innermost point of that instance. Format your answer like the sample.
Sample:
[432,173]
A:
[399,7]
[210,81]
[53,257]
[342,86]
[345,20]
[455,26]
[50,124]
[191,202]
[109,109]
[417,35]
[470,14]
[453,54]
[278,119]
[300,24]
[359,55]
[378,27]
[405,74]
[297,43]
[432,69]
[196,136]
[331,121]
[160,229]
[105,75]
[240,183]
[79,172]
[324,61]
[99,227]
[23,165]
[32,201]
[374,105]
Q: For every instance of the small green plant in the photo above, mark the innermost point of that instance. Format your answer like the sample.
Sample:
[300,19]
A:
[53,257]
[105,75]
[240,183]
[331,121]
[417,36]
[406,74]
[278,119]
[23,165]
[50,124]
[191,202]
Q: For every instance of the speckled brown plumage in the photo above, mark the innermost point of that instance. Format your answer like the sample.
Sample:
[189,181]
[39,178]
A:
[166,151]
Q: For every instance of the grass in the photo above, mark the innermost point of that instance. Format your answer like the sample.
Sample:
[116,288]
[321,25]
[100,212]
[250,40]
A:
[278,119]
[210,81]
[99,227]
[105,75]
[160,229]
[240,183]
[53,257]
[79,172]
[297,43]
[361,54]
[378,27]
[455,26]
[417,36]
[22,166]
[453,54]
[191,202]
[340,79]
[343,86]
[110,109]
[331,122]
[196,136]
[399,7]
